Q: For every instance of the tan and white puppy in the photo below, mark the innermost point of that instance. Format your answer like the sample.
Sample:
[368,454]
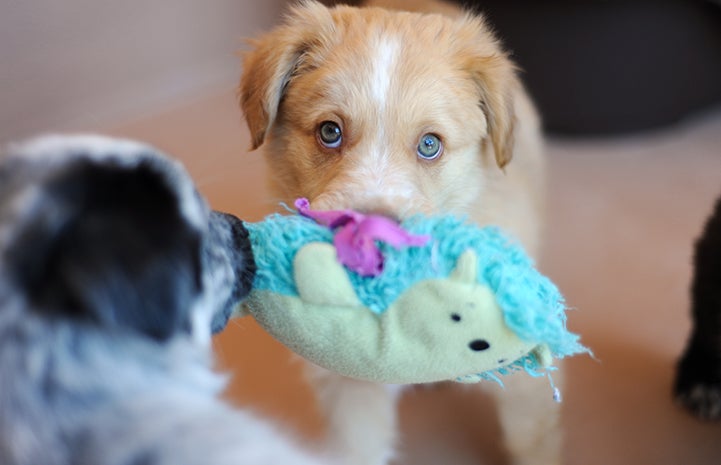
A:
[402,112]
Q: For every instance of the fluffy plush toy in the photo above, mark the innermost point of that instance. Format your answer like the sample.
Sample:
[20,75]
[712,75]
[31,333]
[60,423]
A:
[433,299]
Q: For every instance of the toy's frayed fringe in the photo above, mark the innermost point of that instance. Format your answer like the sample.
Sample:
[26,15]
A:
[528,363]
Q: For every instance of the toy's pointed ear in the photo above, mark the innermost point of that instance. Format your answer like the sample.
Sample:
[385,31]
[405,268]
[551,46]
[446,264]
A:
[543,355]
[276,58]
[466,270]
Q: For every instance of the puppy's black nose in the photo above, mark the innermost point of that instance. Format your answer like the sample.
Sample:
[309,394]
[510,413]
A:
[479,345]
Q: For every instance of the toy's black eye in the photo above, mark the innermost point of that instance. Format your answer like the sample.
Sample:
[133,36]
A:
[455,317]
[330,134]
[429,147]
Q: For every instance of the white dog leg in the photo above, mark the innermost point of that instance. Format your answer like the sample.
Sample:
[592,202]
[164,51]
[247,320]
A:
[361,417]
[530,419]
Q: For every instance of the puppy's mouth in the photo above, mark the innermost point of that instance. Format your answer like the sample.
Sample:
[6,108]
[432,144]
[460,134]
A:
[378,207]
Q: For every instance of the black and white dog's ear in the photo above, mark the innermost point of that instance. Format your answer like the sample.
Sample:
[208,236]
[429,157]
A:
[104,231]
[106,242]
[111,232]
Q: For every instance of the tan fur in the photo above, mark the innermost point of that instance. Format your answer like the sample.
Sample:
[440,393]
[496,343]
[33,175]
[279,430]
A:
[419,6]
[442,74]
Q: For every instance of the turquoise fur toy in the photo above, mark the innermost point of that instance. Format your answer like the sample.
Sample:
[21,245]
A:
[433,299]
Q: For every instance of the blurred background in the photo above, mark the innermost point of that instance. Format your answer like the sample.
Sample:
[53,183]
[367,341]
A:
[593,67]
[72,64]
[630,92]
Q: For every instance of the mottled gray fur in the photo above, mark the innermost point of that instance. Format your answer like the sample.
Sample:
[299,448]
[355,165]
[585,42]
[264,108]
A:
[83,382]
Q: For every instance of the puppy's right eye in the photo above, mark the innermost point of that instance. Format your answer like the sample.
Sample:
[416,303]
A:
[429,147]
[330,134]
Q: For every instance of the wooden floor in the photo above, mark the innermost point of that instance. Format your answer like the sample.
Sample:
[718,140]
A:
[623,216]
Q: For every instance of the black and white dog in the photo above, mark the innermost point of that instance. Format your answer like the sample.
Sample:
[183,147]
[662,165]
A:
[112,272]
[698,378]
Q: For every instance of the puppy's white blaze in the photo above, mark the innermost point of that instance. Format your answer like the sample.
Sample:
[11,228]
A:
[383,62]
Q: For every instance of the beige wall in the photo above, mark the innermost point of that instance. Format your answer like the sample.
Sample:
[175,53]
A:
[82,64]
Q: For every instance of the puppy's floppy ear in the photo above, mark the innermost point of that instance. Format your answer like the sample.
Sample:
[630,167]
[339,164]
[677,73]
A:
[108,245]
[269,68]
[497,82]
[496,78]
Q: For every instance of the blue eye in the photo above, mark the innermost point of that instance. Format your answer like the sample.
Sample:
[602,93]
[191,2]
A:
[429,147]
[330,134]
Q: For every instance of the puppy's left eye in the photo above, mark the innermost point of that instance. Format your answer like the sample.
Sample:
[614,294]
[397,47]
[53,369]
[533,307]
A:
[430,147]
[330,134]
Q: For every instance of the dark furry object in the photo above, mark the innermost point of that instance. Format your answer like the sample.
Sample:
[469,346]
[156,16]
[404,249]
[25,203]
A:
[698,379]
[112,272]
[101,248]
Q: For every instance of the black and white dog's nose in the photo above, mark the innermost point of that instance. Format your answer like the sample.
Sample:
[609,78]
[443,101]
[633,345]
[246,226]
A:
[479,345]
[228,259]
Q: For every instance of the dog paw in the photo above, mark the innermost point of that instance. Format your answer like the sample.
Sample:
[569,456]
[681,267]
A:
[698,384]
